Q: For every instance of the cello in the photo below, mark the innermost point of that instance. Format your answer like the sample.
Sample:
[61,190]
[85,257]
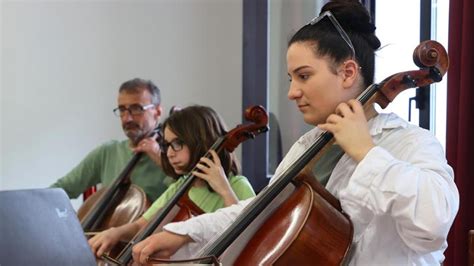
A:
[309,225]
[168,213]
[117,204]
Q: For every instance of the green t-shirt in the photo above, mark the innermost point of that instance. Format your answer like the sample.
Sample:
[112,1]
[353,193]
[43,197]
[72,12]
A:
[105,163]
[322,170]
[205,199]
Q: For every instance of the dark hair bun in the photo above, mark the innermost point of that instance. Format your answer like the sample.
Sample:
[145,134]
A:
[354,17]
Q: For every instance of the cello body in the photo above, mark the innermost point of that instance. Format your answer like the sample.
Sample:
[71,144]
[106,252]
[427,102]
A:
[128,206]
[304,228]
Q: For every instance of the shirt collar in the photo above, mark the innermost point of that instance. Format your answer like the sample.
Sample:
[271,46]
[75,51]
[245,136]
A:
[385,121]
[376,125]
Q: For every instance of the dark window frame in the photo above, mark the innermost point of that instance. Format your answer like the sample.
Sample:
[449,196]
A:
[254,87]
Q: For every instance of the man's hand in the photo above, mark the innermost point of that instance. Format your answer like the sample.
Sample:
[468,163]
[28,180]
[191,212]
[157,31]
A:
[151,148]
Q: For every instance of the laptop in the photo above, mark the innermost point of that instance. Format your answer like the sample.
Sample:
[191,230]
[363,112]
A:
[40,227]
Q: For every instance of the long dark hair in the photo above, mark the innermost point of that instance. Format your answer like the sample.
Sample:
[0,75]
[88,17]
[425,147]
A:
[198,127]
[355,20]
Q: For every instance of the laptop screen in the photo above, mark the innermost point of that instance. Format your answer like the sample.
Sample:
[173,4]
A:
[40,227]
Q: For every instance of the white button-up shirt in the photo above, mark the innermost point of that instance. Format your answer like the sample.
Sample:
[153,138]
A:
[401,198]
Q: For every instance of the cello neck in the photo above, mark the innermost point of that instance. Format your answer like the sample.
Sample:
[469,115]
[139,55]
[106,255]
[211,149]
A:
[95,216]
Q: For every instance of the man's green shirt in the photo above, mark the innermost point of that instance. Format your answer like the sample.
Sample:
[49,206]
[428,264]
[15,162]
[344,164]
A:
[105,163]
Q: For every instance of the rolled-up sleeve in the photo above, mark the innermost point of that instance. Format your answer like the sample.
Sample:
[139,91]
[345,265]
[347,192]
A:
[206,226]
[417,190]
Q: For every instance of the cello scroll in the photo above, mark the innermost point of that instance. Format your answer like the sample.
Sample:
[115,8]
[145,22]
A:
[433,60]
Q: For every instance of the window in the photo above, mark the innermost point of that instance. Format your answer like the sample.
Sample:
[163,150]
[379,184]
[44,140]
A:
[398,41]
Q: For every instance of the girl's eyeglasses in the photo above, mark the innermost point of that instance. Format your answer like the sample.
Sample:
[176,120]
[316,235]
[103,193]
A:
[175,144]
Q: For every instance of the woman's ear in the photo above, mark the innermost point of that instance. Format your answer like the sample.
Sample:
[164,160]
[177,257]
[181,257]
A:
[350,72]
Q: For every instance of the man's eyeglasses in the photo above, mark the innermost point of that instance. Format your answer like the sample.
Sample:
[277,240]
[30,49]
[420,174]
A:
[175,144]
[338,27]
[134,109]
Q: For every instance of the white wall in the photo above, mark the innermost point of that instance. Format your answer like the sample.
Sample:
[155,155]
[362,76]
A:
[63,61]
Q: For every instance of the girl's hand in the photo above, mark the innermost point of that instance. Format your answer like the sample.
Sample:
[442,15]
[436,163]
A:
[104,241]
[213,173]
[350,129]
[162,245]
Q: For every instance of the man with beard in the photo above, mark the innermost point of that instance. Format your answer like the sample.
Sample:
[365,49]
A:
[139,111]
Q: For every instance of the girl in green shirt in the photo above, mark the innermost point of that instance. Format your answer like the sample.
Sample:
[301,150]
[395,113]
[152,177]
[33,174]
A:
[188,135]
